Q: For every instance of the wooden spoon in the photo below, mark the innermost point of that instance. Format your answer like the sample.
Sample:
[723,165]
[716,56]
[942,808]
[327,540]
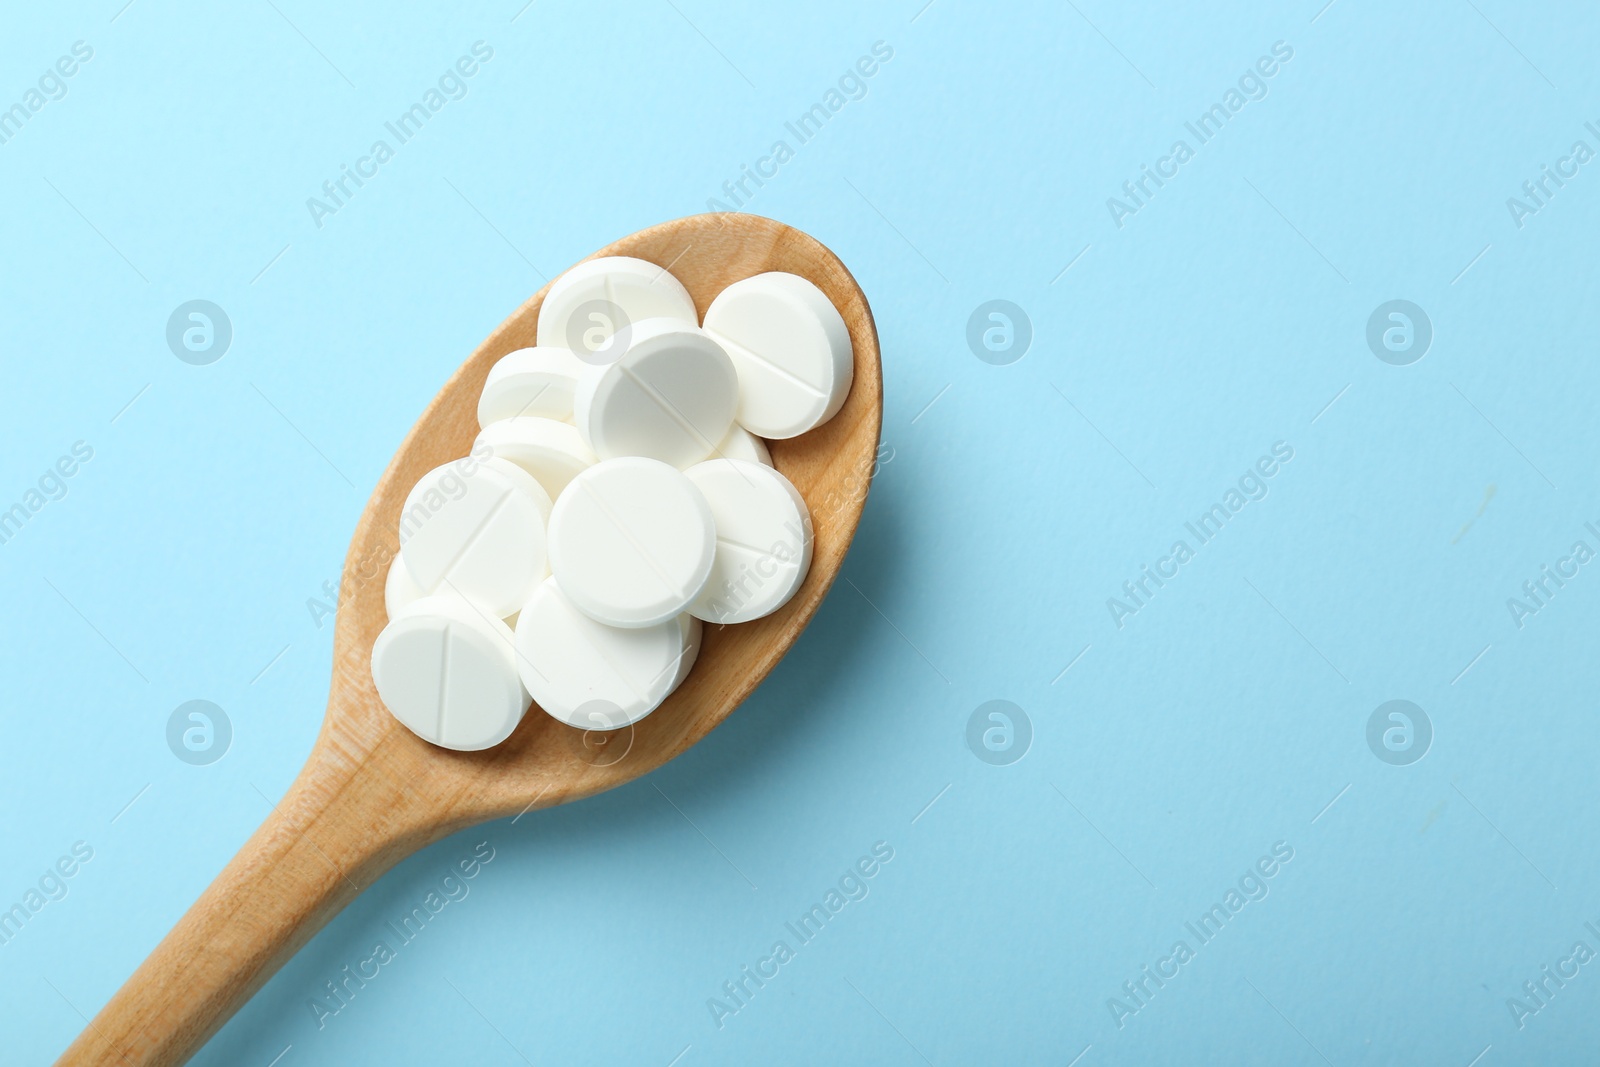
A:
[372,792]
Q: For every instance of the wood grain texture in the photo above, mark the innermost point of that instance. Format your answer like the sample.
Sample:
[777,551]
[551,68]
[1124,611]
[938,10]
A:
[372,792]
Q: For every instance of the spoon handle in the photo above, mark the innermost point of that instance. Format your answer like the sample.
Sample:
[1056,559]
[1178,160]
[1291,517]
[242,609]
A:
[341,825]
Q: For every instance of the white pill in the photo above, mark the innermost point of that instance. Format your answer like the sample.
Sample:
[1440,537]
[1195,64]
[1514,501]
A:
[591,675]
[594,301]
[531,382]
[631,542]
[476,529]
[400,590]
[792,350]
[553,452]
[763,540]
[693,631]
[742,444]
[448,672]
[670,396]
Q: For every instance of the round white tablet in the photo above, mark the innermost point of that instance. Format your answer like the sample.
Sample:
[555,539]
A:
[476,529]
[589,305]
[742,444]
[588,674]
[791,347]
[631,542]
[671,396]
[400,590]
[553,452]
[530,381]
[763,540]
[448,672]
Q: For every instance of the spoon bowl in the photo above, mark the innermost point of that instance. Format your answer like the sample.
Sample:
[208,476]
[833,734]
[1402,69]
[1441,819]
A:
[372,792]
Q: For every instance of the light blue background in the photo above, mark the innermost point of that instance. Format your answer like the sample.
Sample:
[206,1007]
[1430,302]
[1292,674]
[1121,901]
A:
[1228,714]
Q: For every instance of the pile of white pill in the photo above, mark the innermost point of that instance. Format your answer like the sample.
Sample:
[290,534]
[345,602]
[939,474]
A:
[619,495]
